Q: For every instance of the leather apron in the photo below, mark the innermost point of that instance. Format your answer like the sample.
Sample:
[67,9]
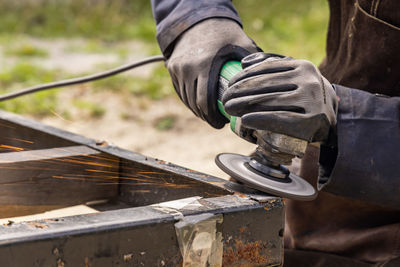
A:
[363,52]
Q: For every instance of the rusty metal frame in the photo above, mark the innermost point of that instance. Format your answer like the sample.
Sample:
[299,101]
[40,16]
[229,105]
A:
[143,235]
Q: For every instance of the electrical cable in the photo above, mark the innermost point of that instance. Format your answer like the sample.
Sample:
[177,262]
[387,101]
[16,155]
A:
[84,79]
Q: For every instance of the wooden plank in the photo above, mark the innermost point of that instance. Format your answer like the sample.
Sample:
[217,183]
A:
[57,177]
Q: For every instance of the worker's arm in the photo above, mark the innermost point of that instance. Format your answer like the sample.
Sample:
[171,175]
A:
[359,132]
[365,164]
[173,17]
[197,38]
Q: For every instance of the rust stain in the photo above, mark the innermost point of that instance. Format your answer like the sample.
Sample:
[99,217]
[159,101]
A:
[245,254]
[243,229]
[38,225]
[128,257]
[56,251]
[240,195]
[9,223]
[87,262]
[60,263]
[213,194]
[101,143]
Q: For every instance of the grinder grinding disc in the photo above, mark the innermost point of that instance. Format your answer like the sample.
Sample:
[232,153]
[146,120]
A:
[292,186]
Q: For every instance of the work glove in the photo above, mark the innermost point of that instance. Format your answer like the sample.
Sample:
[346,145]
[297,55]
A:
[197,58]
[282,95]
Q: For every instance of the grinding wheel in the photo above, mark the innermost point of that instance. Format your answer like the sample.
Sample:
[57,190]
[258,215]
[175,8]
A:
[292,186]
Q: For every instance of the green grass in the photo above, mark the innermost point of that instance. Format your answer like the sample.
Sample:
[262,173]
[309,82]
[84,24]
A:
[156,87]
[293,28]
[23,75]
[165,123]
[92,109]
[25,50]
[106,20]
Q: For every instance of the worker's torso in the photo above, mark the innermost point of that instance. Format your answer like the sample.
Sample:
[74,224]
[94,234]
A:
[363,51]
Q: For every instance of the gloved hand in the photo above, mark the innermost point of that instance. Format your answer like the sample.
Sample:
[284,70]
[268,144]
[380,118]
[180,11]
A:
[197,58]
[284,95]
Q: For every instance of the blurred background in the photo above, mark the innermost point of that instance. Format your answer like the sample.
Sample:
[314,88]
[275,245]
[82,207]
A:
[46,40]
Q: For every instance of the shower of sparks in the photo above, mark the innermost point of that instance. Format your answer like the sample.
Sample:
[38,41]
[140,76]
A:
[98,169]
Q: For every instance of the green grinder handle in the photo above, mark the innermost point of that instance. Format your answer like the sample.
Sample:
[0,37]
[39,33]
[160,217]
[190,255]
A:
[230,69]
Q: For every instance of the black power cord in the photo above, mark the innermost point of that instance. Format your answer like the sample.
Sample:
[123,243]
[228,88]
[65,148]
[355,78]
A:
[89,78]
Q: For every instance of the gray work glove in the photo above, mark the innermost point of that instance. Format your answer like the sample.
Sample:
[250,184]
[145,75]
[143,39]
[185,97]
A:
[197,58]
[282,95]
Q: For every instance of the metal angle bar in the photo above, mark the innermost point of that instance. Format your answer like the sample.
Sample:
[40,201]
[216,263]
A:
[146,235]
[227,186]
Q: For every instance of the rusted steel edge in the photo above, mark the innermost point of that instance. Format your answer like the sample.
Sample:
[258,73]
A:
[44,233]
[14,233]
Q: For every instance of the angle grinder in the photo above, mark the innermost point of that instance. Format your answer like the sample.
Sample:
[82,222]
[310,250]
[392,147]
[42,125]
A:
[265,171]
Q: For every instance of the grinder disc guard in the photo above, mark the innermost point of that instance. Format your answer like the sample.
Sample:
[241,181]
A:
[292,187]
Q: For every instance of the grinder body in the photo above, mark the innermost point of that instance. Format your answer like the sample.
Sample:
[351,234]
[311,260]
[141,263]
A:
[280,143]
[264,171]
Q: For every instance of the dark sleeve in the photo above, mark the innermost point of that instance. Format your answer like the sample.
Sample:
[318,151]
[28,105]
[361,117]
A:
[173,17]
[367,165]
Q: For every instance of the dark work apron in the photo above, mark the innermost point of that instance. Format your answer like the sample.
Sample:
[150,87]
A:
[363,52]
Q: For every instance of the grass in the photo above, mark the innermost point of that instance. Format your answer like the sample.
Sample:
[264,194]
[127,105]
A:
[107,20]
[25,50]
[92,109]
[293,28]
[165,123]
[156,87]
[22,75]
[94,46]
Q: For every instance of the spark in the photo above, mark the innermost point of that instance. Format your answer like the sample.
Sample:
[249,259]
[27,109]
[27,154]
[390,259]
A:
[12,147]
[20,140]
[140,191]
[59,116]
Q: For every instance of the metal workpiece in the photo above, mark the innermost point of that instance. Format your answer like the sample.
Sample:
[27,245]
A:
[152,212]
[248,233]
